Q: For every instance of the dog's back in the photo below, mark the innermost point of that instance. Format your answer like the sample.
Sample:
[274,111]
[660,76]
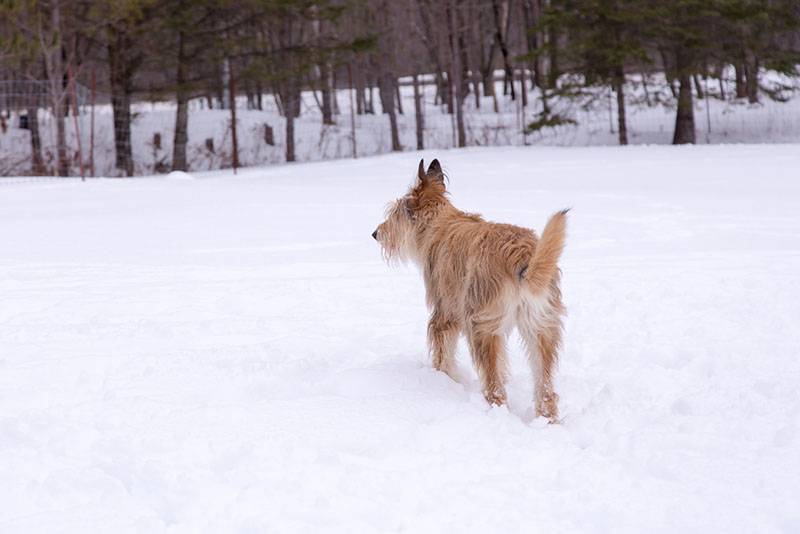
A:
[468,263]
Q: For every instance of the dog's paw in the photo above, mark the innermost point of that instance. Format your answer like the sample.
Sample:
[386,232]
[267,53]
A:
[495,396]
[547,407]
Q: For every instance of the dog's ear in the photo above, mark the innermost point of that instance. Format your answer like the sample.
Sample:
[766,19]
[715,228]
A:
[434,173]
[421,170]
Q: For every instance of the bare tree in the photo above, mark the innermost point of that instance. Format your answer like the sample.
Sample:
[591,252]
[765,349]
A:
[500,11]
[385,65]
[455,37]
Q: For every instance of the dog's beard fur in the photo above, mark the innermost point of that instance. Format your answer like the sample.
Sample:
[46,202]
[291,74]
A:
[396,233]
[481,279]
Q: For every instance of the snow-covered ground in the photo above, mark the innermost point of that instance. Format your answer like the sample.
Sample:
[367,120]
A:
[229,354]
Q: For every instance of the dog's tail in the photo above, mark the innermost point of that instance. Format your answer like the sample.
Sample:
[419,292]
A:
[544,264]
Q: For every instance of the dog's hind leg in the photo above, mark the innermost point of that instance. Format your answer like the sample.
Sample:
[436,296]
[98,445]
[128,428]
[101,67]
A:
[487,345]
[541,334]
[442,342]
[546,403]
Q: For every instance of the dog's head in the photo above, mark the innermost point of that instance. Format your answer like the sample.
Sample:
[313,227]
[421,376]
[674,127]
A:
[406,215]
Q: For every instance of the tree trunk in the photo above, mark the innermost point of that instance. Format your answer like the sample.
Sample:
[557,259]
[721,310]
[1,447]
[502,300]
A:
[289,137]
[529,16]
[487,80]
[386,89]
[741,87]
[234,137]
[669,71]
[418,116]
[181,137]
[121,107]
[54,66]
[751,73]
[250,96]
[462,49]
[334,95]
[462,134]
[555,67]
[487,77]
[721,73]
[619,88]
[278,96]
[371,100]
[429,39]
[259,96]
[121,89]
[352,108]
[179,162]
[501,42]
[698,88]
[361,99]
[645,89]
[487,62]
[448,94]
[545,104]
[456,57]
[291,106]
[399,98]
[326,74]
[61,137]
[684,121]
[37,162]
[475,68]
[539,62]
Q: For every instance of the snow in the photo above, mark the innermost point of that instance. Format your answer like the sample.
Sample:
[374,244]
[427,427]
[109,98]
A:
[179,175]
[229,354]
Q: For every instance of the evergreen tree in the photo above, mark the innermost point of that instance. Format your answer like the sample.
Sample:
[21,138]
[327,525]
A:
[601,37]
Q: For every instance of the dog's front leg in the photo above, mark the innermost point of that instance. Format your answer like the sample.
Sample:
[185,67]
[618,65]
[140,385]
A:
[442,341]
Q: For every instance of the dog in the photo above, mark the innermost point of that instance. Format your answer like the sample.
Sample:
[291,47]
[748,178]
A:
[482,279]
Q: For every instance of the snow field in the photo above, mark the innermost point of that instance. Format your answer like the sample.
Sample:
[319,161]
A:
[229,354]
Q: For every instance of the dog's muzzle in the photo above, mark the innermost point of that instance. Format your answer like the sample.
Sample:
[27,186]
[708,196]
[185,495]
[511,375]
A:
[375,235]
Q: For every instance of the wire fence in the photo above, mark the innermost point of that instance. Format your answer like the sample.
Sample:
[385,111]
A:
[92,144]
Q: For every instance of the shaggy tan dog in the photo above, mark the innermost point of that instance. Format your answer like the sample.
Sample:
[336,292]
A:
[482,279]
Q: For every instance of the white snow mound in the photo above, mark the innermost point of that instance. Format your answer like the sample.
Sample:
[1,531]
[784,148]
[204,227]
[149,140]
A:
[179,175]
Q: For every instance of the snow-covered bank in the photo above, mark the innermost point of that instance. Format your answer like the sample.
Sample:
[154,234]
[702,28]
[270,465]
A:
[229,354]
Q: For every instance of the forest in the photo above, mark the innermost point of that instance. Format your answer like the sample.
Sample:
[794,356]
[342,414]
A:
[225,54]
